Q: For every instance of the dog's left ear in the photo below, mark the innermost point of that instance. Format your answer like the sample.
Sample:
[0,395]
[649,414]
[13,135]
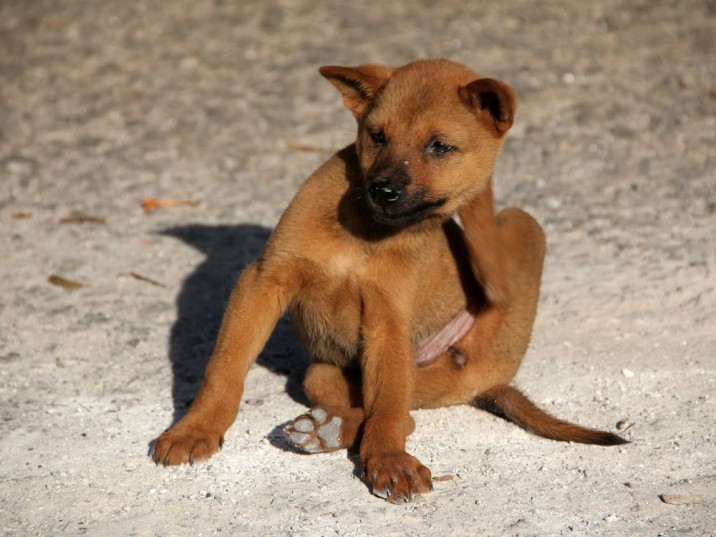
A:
[358,85]
[493,101]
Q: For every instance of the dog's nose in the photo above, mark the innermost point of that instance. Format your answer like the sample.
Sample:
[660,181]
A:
[385,193]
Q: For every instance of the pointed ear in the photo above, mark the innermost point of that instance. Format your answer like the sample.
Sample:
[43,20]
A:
[493,101]
[358,85]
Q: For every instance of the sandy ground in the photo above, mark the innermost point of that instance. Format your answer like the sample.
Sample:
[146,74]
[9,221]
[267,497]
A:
[104,103]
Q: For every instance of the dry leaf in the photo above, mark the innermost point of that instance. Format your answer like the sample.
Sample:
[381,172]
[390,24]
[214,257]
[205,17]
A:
[21,215]
[146,279]
[63,282]
[82,219]
[152,204]
[440,478]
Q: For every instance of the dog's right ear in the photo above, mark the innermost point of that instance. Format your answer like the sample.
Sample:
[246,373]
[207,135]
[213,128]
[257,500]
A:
[493,101]
[358,85]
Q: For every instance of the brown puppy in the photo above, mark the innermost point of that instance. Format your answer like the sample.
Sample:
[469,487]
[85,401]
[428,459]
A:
[400,307]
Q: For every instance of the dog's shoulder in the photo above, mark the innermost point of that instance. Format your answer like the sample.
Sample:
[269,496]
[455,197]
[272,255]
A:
[314,218]
[322,192]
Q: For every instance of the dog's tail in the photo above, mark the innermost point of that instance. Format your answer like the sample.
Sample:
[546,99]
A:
[509,403]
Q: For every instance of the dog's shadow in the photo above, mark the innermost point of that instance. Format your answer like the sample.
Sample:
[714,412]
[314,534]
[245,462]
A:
[201,304]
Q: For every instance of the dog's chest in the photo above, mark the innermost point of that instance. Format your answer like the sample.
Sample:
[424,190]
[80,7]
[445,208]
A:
[327,313]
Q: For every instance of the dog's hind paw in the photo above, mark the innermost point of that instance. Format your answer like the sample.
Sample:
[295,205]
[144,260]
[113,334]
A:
[317,431]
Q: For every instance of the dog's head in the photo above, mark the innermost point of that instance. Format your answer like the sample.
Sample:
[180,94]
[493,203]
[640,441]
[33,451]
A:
[429,134]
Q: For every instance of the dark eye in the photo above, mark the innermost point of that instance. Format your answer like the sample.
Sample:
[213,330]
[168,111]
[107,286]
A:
[438,148]
[377,136]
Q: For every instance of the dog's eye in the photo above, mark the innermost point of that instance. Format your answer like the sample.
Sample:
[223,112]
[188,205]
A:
[377,136]
[438,148]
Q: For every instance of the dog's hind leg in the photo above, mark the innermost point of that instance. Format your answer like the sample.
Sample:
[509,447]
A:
[492,350]
[478,369]
[502,330]
[330,385]
[337,415]
[336,418]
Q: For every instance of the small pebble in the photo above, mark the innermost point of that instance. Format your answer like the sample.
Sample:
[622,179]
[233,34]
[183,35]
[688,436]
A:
[189,63]
[623,425]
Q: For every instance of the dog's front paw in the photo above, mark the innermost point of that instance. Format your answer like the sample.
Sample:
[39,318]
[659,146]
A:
[181,445]
[397,477]
[317,431]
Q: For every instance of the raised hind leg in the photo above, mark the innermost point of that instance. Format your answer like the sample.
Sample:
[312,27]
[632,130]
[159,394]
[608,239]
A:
[492,350]
[478,369]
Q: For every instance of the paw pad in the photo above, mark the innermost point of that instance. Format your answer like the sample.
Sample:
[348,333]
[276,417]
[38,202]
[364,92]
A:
[315,432]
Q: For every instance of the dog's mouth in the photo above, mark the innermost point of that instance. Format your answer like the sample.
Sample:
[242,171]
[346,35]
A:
[394,218]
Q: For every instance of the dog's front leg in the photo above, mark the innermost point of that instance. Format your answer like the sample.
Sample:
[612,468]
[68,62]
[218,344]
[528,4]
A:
[388,367]
[256,304]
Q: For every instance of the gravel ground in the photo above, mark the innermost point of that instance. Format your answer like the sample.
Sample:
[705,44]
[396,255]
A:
[105,103]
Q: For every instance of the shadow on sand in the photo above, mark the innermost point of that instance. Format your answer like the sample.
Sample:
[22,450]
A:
[200,307]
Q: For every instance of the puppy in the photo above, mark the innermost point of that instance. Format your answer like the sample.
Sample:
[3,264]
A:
[400,306]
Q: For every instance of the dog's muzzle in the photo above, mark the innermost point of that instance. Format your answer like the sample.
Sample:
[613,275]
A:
[391,200]
[393,205]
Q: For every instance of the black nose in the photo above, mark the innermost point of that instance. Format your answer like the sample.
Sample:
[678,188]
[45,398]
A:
[385,193]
